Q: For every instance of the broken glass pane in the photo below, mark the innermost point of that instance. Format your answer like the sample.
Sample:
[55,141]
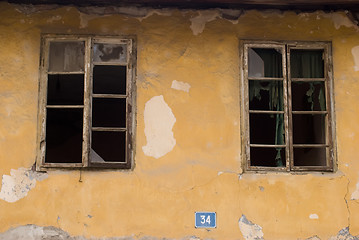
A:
[264,62]
[65,89]
[64,136]
[66,56]
[306,63]
[109,112]
[110,53]
[267,157]
[108,147]
[109,79]
[309,156]
[308,128]
[266,95]
[266,128]
[308,96]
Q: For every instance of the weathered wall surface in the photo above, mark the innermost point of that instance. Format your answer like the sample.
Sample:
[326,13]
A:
[187,77]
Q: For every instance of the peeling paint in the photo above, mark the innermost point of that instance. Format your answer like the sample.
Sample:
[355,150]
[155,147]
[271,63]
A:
[340,20]
[16,185]
[313,216]
[355,53]
[85,18]
[355,194]
[313,238]
[159,121]
[231,15]
[250,231]
[29,9]
[140,13]
[199,22]
[34,232]
[54,18]
[344,234]
[182,86]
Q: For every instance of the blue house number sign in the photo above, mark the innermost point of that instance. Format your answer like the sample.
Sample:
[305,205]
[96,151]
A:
[205,220]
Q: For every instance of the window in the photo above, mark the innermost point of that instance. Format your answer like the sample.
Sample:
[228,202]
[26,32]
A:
[287,106]
[86,97]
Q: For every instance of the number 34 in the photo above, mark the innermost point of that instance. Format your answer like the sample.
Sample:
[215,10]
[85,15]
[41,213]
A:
[205,220]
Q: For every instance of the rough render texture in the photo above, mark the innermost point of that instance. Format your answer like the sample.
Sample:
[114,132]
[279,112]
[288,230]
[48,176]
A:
[202,172]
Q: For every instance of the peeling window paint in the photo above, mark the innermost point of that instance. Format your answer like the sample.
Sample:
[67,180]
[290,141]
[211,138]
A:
[182,86]
[159,121]
[16,185]
[250,231]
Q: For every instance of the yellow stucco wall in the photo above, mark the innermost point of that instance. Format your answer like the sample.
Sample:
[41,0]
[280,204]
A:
[203,170]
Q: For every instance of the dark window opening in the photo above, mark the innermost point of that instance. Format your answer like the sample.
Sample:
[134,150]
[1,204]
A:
[109,79]
[309,156]
[109,112]
[265,62]
[306,63]
[64,136]
[108,146]
[86,89]
[65,89]
[288,100]
[267,157]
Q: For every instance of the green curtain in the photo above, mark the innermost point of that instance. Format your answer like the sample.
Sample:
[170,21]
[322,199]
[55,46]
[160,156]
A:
[304,64]
[272,68]
[309,64]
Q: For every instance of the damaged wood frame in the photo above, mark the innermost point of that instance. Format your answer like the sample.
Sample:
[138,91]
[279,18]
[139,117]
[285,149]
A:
[89,41]
[285,47]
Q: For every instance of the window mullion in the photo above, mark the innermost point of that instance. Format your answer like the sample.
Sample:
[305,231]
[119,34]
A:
[288,109]
[246,107]
[328,98]
[87,104]
[42,104]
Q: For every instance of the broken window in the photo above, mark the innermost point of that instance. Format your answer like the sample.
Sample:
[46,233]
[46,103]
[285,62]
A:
[86,96]
[287,102]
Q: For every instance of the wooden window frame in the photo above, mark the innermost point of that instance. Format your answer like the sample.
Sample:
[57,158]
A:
[286,47]
[89,40]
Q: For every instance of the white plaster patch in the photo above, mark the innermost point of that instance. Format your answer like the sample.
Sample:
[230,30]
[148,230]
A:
[16,185]
[85,18]
[182,86]
[162,12]
[159,121]
[199,23]
[355,194]
[250,231]
[140,13]
[54,18]
[341,20]
[355,53]
[313,216]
